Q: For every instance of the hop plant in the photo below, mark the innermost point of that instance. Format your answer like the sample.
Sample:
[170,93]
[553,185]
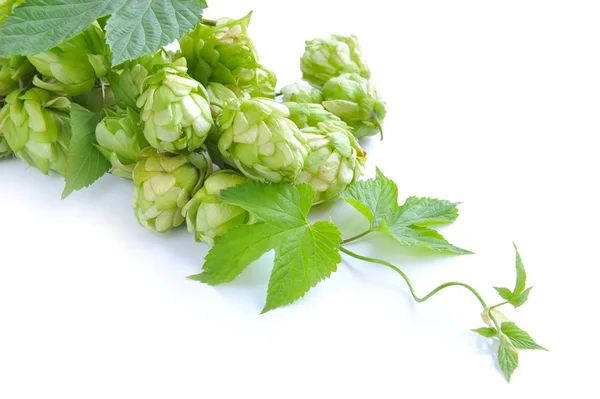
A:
[335,160]
[310,115]
[15,71]
[225,54]
[207,215]
[164,183]
[127,79]
[175,109]
[36,126]
[259,139]
[73,66]
[356,101]
[324,59]
[300,93]
[121,140]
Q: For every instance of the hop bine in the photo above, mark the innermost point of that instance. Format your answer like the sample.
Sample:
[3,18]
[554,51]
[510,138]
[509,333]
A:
[164,183]
[356,101]
[175,109]
[324,59]
[259,140]
[36,126]
[72,67]
[121,140]
[209,217]
[335,160]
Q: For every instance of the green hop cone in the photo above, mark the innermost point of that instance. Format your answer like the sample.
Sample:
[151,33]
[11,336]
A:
[310,115]
[73,66]
[126,80]
[36,125]
[225,54]
[164,183]
[335,160]
[259,140]
[207,215]
[175,109]
[356,101]
[6,8]
[5,150]
[300,93]
[324,59]
[121,140]
[15,71]
[218,96]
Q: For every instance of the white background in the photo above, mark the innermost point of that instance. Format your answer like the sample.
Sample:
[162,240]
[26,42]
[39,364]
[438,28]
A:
[495,104]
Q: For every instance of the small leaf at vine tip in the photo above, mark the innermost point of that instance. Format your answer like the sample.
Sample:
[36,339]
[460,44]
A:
[374,198]
[420,236]
[282,205]
[487,332]
[306,256]
[519,338]
[520,299]
[505,293]
[85,164]
[521,275]
[425,211]
[236,250]
[144,26]
[508,361]
[498,315]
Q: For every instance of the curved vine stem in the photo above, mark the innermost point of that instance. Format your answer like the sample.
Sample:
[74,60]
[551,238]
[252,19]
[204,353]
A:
[409,283]
[346,241]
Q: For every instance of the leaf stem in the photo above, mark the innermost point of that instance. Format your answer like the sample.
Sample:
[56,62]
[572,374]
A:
[209,22]
[409,283]
[356,237]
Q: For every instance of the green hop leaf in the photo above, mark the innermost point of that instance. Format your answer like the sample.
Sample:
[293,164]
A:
[508,359]
[486,332]
[85,164]
[305,253]
[520,294]
[519,338]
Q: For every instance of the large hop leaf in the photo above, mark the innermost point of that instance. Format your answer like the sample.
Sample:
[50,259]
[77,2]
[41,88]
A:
[126,80]
[164,183]
[175,109]
[121,140]
[356,101]
[225,54]
[15,72]
[259,139]
[335,160]
[72,67]
[301,93]
[207,215]
[324,59]
[36,126]
[311,115]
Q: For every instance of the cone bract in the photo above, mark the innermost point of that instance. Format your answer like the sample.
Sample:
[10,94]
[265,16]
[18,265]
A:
[324,59]
[72,67]
[36,125]
[305,115]
[209,217]
[164,183]
[259,140]
[301,93]
[175,109]
[335,160]
[121,140]
[356,101]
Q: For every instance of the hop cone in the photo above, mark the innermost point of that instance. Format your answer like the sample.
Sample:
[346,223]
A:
[310,115]
[335,160]
[355,100]
[127,79]
[225,54]
[260,140]
[72,67]
[207,215]
[218,96]
[12,70]
[175,109]
[5,150]
[121,140]
[324,59]
[300,93]
[36,125]
[164,183]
